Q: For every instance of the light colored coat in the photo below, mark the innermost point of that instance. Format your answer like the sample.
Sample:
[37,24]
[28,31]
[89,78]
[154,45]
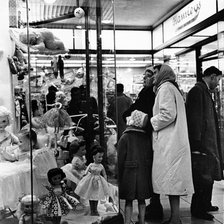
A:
[171,171]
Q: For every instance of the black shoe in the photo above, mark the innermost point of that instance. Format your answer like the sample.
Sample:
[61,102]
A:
[154,211]
[202,215]
[213,209]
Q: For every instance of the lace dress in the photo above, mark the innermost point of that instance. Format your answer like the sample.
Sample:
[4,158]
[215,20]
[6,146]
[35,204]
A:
[58,202]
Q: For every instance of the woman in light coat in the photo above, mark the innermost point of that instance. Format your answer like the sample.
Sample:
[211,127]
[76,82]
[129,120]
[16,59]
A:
[171,171]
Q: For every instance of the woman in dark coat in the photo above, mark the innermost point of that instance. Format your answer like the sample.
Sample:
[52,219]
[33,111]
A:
[134,166]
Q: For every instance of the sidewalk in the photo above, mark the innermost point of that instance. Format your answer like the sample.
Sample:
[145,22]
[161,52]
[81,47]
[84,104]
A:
[217,199]
[79,217]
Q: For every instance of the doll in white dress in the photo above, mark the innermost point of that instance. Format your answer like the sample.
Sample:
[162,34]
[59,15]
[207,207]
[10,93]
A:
[94,186]
[8,141]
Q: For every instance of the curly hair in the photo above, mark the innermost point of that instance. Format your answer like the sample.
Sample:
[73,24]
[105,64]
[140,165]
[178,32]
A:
[4,112]
[53,172]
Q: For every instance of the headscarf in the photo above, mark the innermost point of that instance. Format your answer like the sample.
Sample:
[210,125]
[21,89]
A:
[165,74]
[137,119]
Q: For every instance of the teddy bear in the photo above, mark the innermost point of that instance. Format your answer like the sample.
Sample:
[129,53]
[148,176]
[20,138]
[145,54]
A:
[41,39]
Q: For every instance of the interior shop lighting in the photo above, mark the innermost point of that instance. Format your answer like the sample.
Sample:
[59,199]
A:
[49,1]
[106,21]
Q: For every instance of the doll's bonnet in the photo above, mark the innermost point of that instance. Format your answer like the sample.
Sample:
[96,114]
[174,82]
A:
[27,199]
[5,112]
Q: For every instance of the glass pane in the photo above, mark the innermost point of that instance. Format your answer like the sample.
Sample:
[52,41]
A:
[186,75]
[65,105]
[220,95]
[184,66]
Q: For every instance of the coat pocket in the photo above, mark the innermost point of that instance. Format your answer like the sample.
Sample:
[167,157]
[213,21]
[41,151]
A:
[130,164]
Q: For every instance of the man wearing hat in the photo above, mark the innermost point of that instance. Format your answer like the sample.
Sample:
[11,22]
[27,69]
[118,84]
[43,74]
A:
[207,165]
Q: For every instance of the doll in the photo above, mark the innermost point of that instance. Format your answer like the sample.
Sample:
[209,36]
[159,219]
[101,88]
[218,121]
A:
[93,186]
[78,151]
[25,211]
[8,141]
[57,202]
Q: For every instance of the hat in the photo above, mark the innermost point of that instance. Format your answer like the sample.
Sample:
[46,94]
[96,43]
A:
[137,119]
[211,70]
[149,69]
[27,199]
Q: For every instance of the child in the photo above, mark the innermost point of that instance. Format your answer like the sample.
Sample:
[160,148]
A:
[57,202]
[7,139]
[93,186]
[134,165]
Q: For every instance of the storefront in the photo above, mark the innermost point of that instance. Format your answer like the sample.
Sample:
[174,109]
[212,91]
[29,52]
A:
[191,40]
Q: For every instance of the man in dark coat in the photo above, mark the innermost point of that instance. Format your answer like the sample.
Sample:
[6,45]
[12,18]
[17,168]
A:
[205,142]
[122,102]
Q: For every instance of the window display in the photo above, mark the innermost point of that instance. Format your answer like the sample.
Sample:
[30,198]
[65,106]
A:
[56,106]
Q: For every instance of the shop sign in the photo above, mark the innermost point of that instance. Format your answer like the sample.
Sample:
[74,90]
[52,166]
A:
[187,15]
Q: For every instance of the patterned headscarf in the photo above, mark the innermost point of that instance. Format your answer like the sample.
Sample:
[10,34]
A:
[137,119]
[166,73]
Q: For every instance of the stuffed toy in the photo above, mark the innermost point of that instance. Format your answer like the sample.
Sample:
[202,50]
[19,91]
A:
[41,39]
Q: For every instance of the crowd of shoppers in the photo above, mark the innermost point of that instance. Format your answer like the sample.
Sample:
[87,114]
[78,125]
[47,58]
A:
[176,151]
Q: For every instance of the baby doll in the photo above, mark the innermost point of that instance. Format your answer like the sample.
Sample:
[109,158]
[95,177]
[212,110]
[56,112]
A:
[8,141]
[78,150]
[93,186]
[25,212]
[57,202]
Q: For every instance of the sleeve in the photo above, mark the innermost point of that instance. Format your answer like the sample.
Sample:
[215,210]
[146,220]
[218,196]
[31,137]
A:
[194,112]
[167,109]
[122,152]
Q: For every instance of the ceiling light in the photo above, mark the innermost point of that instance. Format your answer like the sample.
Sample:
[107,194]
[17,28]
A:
[79,27]
[106,21]
[49,1]
[132,59]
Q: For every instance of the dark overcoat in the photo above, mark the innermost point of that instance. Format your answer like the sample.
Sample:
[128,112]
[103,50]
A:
[204,132]
[144,103]
[134,165]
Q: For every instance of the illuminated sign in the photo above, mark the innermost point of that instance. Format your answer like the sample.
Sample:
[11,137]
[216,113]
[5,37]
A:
[187,15]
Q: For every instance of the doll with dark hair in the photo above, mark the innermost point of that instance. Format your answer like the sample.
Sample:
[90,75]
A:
[57,202]
[94,186]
